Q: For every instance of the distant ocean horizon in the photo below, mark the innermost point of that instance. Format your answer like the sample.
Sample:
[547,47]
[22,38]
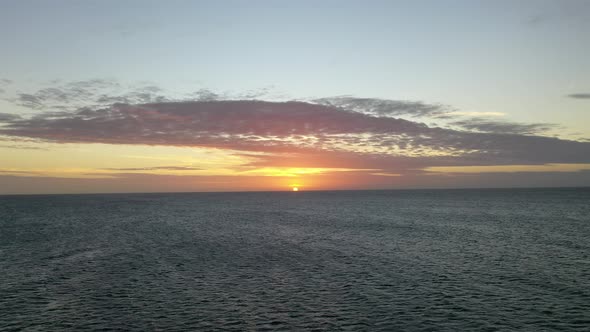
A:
[301,189]
[461,259]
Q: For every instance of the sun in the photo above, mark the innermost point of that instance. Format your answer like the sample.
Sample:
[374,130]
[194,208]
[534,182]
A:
[295,189]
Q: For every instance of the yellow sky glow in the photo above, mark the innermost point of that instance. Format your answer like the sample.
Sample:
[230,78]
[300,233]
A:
[510,168]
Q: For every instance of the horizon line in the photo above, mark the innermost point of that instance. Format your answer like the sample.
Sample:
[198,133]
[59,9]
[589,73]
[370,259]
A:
[289,191]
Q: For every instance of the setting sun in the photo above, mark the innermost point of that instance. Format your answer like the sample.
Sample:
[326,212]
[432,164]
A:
[295,189]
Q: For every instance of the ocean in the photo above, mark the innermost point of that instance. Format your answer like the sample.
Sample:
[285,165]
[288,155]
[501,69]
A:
[413,260]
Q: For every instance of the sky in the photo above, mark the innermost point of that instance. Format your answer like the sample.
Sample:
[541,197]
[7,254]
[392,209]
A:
[166,96]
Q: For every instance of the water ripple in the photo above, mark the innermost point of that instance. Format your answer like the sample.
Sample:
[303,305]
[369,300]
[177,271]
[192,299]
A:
[347,261]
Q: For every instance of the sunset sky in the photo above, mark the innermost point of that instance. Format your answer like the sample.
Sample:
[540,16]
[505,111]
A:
[158,96]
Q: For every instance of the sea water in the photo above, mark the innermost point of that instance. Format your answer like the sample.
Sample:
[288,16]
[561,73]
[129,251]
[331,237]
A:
[416,260]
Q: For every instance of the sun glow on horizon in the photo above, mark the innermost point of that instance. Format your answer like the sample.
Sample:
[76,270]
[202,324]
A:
[295,188]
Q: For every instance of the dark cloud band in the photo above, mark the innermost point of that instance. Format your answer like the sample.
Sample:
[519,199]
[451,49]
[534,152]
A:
[298,127]
[579,95]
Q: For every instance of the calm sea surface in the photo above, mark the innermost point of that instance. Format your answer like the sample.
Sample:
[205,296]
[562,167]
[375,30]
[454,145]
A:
[439,260]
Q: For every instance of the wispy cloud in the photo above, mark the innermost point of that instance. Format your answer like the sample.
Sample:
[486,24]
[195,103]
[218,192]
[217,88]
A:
[7,117]
[579,95]
[14,171]
[476,114]
[156,168]
[384,107]
[562,168]
[504,127]
[21,147]
[70,96]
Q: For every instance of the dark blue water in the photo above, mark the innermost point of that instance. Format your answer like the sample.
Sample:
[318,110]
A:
[441,260]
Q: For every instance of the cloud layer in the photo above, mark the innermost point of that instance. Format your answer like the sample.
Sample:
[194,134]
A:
[299,127]
[384,136]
